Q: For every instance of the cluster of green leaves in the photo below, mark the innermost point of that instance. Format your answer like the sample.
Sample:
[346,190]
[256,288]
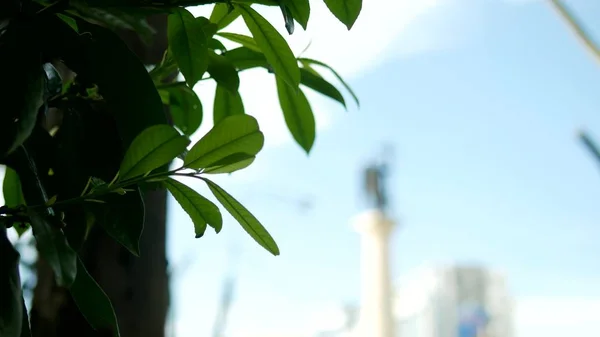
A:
[195,46]
[122,126]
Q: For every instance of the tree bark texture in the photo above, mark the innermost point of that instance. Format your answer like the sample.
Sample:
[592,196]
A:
[137,286]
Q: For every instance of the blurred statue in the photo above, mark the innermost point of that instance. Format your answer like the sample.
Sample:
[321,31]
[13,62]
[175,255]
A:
[375,182]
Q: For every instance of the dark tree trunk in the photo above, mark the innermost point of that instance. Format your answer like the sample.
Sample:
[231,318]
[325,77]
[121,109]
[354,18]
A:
[137,287]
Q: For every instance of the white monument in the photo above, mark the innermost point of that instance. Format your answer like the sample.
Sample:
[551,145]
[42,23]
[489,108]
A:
[376,317]
[375,227]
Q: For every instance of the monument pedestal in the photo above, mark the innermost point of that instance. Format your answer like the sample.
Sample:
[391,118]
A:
[376,317]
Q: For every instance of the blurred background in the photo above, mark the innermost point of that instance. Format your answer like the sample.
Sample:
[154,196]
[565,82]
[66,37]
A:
[481,102]
[495,201]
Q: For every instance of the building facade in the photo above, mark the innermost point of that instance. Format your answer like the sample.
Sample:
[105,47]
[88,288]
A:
[439,301]
[453,301]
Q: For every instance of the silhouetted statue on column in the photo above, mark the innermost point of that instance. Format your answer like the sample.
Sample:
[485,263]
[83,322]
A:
[375,182]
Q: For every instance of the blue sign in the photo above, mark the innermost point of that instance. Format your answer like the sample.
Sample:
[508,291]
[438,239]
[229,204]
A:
[471,321]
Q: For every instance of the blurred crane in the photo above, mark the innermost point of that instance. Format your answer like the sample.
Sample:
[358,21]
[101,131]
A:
[225,305]
[231,278]
[227,294]
[304,204]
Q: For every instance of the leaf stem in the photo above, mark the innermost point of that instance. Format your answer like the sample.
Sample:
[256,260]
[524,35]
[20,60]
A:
[170,85]
[114,187]
[159,4]
[189,175]
[54,7]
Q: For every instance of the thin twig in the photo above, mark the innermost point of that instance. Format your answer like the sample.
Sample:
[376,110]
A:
[590,145]
[576,27]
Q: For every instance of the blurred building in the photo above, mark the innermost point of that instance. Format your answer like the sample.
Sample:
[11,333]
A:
[453,301]
[445,301]
[440,301]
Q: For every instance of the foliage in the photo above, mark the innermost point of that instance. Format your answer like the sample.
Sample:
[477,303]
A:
[122,126]
[573,23]
[590,145]
[584,37]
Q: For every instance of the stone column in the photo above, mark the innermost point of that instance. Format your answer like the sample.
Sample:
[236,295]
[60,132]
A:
[376,318]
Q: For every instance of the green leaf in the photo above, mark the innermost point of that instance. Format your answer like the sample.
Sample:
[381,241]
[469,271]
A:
[346,11]
[226,104]
[154,147]
[200,209]
[25,89]
[244,40]
[118,18]
[308,62]
[288,19]
[248,222]
[215,44]
[185,108]
[52,200]
[230,164]
[238,133]
[308,67]
[319,84]
[11,187]
[260,2]
[133,99]
[223,72]
[165,97]
[122,217]
[69,21]
[220,10]
[209,28]
[298,115]
[11,312]
[300,11]
[165,69]
[189,45]
[54,248]
[21,228]
[93,303]
[54,80]
[273,45]
[245,58]
[222,16]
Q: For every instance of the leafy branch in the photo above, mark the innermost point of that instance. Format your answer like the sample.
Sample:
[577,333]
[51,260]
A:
[123,123]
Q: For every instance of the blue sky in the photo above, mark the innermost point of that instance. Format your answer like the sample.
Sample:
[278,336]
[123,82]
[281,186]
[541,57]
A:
[482,113]
[481,101]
